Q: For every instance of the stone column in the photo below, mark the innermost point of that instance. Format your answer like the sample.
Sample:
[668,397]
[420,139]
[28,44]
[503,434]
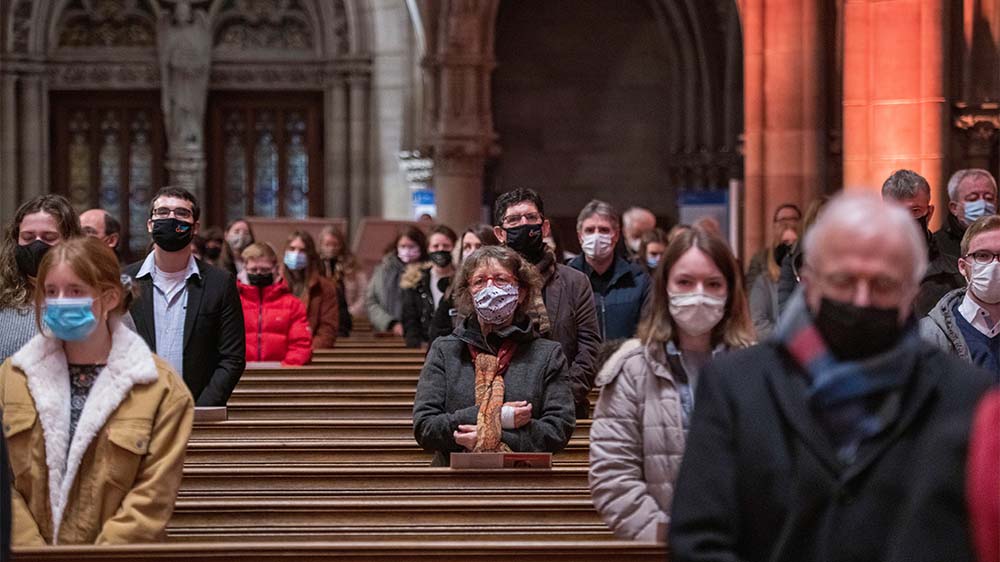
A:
[895,109]
[359,141]
[337,175]
[32,150]
[8,147]
[458,181]
[785,118]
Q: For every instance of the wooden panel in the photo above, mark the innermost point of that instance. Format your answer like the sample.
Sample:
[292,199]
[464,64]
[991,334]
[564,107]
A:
[275,231]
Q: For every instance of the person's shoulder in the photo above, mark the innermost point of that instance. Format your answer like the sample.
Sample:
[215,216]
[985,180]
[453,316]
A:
[213,274]
[569,274]
[175,386]
[754,363]
[132,269]
[955,377]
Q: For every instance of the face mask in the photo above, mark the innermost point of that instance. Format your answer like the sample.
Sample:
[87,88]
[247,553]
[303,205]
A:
[696,314]
[239,241]
[213,252]
[854,332]
[978,209]
[496,305]
[597,245]
[634,244]
[260,279]
[70,319]
[172,235]
[30,257]
[780,251]
[652,262]
[527,240]
[441,259]
[408,255]
[296,261]
[984,281]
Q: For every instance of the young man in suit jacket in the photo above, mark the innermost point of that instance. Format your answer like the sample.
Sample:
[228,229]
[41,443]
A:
[804,447]
[188,311]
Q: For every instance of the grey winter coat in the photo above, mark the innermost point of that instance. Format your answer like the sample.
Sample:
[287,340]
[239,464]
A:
[939,326]
[446,394]
[764,306]
[636,442]
[384,298]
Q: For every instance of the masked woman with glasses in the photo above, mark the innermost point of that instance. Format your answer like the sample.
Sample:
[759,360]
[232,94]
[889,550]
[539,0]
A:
[96,424]
[493,385]
[424,285]
[39,224]
[641,420]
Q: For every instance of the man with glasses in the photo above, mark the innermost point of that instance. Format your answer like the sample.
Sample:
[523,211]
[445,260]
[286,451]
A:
[912,192]
[565,313]
[188,311]
[966,322]
[786,216]
[803,447]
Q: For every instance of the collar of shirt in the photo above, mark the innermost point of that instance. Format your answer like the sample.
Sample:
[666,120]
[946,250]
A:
[978,317]
[150,261]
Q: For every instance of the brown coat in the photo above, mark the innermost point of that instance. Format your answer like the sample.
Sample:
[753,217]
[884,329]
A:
[118,479]
[323,312]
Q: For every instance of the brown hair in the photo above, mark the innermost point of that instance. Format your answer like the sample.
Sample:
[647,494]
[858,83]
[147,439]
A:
[15,287]
[483,232]
[528,281]
[988,223]
[773,267]
[299,281]
[94,263]
[735,329]
[655,236]
[259,250]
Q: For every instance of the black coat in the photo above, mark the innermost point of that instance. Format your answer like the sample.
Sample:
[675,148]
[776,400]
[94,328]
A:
[418,311]
[760,480]
[949,238]
[214,338]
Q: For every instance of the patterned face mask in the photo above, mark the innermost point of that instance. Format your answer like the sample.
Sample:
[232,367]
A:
[495,305]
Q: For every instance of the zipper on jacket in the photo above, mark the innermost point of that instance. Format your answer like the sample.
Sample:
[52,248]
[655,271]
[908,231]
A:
[604,320]
[260,322]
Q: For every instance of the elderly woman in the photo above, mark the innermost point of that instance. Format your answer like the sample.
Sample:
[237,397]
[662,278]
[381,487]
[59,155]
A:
[493,385]
[648,386]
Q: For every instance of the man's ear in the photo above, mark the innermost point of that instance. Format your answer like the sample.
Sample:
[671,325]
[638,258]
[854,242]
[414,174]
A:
[930,213]
[149,226]
[546,229]
[113,241]
[197,225]
[501,234]
[953,208]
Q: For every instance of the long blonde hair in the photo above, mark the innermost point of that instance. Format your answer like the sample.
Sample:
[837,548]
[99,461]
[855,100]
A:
[735,330]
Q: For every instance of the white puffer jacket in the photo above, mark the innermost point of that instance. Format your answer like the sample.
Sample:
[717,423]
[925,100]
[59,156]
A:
[636,442]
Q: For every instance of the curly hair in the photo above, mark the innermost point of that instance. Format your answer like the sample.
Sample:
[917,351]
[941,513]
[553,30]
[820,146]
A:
[528,281]
[15,287]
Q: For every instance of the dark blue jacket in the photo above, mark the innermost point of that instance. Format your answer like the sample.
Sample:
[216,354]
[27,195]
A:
[622,304]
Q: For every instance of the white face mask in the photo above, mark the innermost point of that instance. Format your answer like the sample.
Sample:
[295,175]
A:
[597,245]
[696,313]
[634,244]
[984,281]
[496,305]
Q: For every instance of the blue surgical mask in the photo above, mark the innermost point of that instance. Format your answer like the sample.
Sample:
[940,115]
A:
[296,260]
[977,209]
[652,262]
[70,319]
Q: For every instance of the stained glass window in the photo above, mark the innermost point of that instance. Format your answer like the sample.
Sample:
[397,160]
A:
[110,164]
[140,182]
[236,167]
[265,201]
[297,195]
[79,159]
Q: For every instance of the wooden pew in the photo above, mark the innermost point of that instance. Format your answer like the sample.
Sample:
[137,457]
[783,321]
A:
[297,430]
[361,368]
[342,452]
[376,549]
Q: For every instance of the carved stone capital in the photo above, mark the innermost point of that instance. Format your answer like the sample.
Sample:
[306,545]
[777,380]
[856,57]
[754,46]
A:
[980,124]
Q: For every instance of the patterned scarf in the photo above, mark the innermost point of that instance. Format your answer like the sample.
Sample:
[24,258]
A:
[489,396]
[853,400]
[536,310]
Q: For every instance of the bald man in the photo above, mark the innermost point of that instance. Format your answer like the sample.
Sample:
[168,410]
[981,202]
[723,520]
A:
[802,448]
[636,222]
[101,225]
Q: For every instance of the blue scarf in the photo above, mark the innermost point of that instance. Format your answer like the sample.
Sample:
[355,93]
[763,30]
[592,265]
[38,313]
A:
[852,400]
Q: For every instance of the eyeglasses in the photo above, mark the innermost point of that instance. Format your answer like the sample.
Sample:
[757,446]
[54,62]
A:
[529,218]
[982,258]
[179,212]
[479,283]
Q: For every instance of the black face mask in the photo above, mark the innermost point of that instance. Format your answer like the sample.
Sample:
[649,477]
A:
[29,257]
[333,263]
[853,332]
[527,240]
[780,251]
[440,259]
[213,252]
[260,279]
[171,234]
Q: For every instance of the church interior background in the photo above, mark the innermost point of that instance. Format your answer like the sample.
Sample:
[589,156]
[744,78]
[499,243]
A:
[296,108]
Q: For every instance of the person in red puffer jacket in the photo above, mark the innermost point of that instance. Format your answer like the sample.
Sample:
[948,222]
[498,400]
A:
[276,324]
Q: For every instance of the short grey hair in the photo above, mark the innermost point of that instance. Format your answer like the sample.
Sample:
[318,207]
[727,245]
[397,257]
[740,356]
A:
[904,184]
[600,208]
[867,214]
[634,213]
[958,177]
